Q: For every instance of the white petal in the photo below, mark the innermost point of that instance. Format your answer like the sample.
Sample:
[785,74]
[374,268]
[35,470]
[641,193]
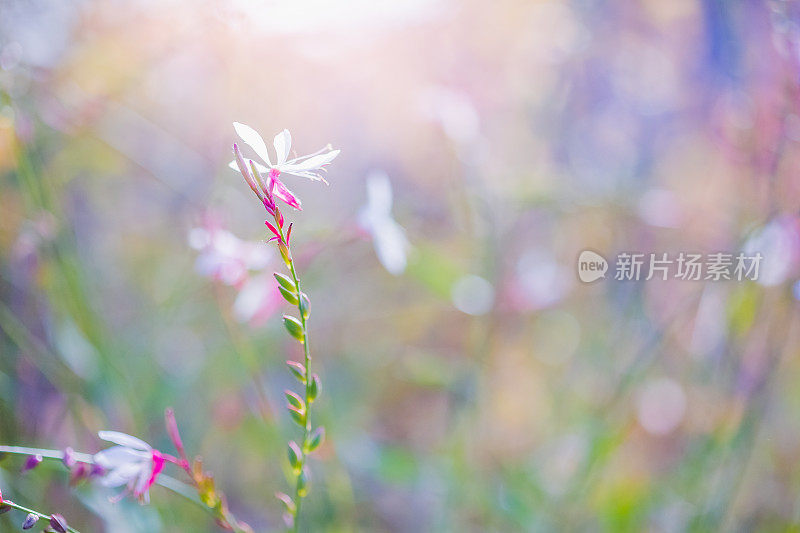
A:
[391,246]
[261,168]
[314,176]
[123,439]
[120,476]
[283,143]
[254,140]
[141,482]
[312,163]
[119,455]
[304,157]
[379,193]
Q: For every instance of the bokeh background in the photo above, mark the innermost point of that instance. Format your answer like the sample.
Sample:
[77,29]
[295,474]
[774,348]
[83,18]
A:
[478,386]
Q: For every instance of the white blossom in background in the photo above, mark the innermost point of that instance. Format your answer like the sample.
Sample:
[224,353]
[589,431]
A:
[224,257]
[241,264]
[388,237]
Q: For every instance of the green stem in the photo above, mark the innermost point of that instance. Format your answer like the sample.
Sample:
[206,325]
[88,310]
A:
[18,507]
[307,360]
[307,363]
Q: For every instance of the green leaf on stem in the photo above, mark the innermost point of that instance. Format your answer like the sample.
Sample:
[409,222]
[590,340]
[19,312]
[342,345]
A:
[295,457]
[291,508]
[285,282]
[293,326]
[294,400]
[315,439]
[305,304]
[298,370]
[314,386]
[288,295]
[302,482]
[298,415]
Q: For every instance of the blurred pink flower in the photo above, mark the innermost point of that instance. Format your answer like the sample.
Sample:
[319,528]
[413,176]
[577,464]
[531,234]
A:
[132,462]
[309,166]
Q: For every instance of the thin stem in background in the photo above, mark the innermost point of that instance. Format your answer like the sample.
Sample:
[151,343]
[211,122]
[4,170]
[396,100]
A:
[18,507]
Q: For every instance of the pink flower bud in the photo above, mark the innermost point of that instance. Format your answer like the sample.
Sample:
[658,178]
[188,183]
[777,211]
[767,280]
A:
[272,229]
[58,523]
[79,473]
[31,462]
[172,430]
[69,458]
[248,176]
[30,521]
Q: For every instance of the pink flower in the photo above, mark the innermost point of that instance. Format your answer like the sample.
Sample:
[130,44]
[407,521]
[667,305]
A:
[132,462]
[309,166]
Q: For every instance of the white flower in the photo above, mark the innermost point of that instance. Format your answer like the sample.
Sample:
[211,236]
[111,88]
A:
[388,237]
[308,166]
[132,462]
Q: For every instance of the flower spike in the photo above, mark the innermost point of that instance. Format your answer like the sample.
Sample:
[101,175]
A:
[311,166]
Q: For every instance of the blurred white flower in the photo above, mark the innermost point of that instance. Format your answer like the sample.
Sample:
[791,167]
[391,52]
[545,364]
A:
[388,237]
[224,257]
[132,462]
